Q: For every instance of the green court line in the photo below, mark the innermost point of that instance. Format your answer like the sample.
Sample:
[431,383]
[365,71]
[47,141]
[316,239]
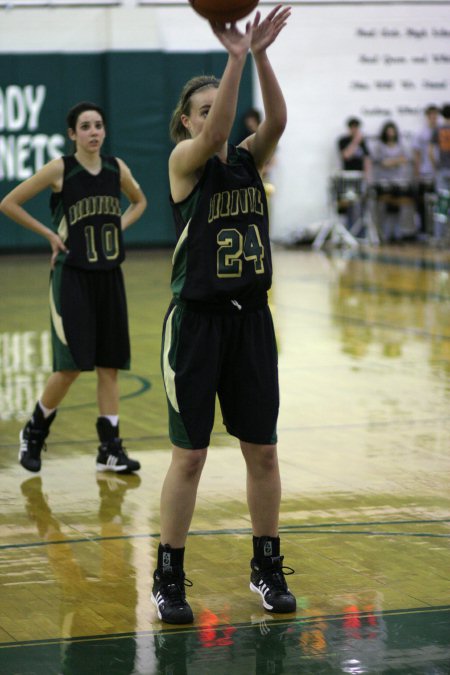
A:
[145,385]
[376,522]
[287,529]
[375,289]
[364,424]
[406,330]
[399,261]
[285,429]
[374,534]
[241,625]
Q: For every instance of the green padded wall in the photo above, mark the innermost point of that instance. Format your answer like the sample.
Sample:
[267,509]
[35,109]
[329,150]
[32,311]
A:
[137,90]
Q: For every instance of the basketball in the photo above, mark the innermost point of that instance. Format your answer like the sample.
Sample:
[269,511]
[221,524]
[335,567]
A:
[223,11]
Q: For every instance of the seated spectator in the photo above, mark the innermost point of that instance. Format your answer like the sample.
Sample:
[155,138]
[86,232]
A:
[353,149]
[350,189]
[393,186]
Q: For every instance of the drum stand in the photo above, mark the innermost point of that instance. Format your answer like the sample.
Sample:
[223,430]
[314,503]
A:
[366,222]
[337,232]
[335,229]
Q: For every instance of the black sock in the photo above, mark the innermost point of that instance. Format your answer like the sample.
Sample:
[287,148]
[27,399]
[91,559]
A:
[38,421]
[170,559]
[105,430]
[266,547]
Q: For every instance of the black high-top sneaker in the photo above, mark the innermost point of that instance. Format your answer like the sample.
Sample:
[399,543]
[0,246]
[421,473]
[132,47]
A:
[267,579]
[169,596]
[111,453]
[32,439]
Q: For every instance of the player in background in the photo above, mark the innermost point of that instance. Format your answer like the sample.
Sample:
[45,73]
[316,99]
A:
[218,335]
[89,319]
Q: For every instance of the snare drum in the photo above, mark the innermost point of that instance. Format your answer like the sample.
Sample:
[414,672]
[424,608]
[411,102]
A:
[347,186]
[395,188]
[426,184]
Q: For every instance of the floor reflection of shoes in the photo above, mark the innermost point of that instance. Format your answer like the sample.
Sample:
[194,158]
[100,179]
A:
[273,640]
[172,649]
[263,622]
[31,487]
[115,482]
[112,488]
[36,504]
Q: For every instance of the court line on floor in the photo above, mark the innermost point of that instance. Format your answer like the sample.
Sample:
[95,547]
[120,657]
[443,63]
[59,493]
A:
[364,424]
[287,529]
[284,429]
[146,385]
[326,316]
[403,261]
[417,262]
[375,289]
[303,620]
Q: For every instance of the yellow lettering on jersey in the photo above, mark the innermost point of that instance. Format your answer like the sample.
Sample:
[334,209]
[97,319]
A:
[225,205]
[239,202]
[214,207]
[235,203]
[94,206]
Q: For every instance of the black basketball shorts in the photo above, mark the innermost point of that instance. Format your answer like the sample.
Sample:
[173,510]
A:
[89,319]
[233,355]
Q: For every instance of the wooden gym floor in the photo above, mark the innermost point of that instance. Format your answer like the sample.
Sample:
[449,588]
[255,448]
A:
[364,431]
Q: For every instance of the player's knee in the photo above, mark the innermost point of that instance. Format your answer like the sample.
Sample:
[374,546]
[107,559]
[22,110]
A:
[107,374]
[268,457]
[261,458]
[189,462]
[69,376]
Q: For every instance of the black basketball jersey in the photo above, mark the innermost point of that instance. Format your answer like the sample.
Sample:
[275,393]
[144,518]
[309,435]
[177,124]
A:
[87,215]
[223,248]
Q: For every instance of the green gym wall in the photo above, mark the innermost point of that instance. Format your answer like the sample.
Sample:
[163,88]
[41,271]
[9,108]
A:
[137,90]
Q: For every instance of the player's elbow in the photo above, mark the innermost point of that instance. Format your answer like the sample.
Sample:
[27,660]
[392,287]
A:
[277,124]
[5,206]
[215,139]
[282,122]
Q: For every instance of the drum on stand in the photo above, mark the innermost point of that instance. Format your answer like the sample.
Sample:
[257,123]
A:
[346,189]
[394,209]
[346,194]
[394,189]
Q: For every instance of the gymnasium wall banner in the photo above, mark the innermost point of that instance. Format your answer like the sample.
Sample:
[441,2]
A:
[23,149]
[36,92]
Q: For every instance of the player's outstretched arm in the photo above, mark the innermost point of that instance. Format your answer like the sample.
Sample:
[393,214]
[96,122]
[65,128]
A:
[263,143]
[192,154]
[50,176]
[134,194]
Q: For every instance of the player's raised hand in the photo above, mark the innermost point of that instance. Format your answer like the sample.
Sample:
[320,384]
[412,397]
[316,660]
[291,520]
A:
[235,42]
[265,32]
